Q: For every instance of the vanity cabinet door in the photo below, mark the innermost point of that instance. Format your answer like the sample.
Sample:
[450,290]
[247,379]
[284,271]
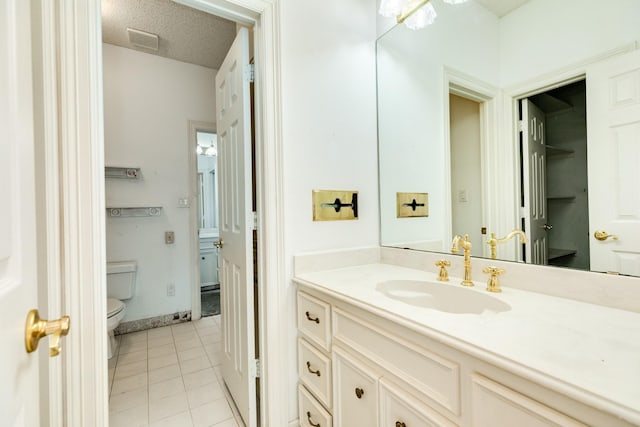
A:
[495,405]
[355,392]
[398,408]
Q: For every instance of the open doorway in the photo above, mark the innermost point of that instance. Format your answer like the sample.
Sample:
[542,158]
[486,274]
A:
[466,169]
[206,143]
[554,183]
[150,99]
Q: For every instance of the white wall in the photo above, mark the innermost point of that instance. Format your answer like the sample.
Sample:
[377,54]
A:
[148,102]
[329,128]
[529,46]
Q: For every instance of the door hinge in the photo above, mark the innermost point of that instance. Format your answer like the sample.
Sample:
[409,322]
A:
[521,125]
[255,220]
[250,73]
[257,368]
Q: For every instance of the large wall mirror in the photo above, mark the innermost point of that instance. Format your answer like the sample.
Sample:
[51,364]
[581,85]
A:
[527,119]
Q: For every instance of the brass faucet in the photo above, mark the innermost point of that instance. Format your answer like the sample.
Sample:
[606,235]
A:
[466,246]
[493,242]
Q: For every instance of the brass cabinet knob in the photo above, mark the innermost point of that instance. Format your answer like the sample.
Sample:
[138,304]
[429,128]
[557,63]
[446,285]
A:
[359,392]
[400,424]
[37,328]
[218,243]
[493,285]
[603,235]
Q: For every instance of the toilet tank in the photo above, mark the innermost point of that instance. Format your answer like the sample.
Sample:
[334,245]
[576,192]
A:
[121,279]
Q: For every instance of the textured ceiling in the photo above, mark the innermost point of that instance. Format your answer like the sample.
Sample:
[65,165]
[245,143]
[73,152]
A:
[502,7]
[186,34]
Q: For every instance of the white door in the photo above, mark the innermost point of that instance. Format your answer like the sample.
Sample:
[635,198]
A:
[534,161]
[613,151]
[19,393]
[236,227]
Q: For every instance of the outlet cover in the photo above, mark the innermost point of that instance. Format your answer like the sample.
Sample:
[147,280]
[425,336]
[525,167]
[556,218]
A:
[171,290]
[169,237]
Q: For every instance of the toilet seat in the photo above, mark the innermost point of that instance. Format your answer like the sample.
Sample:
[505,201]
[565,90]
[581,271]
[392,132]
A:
[114,306]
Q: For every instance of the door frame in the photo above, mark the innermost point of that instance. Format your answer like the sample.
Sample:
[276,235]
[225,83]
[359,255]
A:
[80,121]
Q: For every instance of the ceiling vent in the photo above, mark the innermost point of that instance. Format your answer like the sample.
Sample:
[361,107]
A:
[143,39]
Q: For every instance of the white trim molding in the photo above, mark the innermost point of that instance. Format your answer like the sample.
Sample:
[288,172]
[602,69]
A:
[81,150]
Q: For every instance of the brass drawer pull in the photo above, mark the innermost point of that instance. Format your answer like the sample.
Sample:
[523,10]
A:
[359,392]
[310,421]
[400,424]
[311,370]
[312,319]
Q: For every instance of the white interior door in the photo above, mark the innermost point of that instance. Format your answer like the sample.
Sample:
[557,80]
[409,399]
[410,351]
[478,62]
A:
[613,150]
[19,394]
[236,226]
[534,161]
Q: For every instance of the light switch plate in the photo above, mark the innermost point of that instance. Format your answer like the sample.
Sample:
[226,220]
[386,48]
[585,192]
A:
[412,205]
[334,205]
[183,203]
[169,237]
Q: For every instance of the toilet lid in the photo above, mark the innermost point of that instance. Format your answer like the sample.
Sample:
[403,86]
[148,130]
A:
[114,306]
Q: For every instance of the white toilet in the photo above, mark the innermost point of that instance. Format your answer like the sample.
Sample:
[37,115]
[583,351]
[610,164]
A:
[121,283]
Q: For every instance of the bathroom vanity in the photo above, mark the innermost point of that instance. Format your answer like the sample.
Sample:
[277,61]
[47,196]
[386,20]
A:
[384,345]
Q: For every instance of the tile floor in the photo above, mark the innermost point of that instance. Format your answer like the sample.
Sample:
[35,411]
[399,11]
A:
[170,376]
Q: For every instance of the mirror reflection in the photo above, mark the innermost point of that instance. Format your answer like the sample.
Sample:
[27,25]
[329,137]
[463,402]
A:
[524,119]
[207,159]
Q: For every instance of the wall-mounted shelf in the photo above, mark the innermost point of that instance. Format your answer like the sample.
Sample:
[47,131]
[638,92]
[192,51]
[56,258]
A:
[559,253]
[121,172]
[125,212]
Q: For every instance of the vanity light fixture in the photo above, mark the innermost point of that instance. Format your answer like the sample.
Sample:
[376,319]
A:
[206,151]
[415,14]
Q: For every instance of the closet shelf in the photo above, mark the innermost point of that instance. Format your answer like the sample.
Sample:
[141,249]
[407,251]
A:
[121,172]
[559,253]
[556,151]
[562,198]
[137,211]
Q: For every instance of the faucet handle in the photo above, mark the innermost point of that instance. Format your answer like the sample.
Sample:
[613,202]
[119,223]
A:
[493,285]
[443,276]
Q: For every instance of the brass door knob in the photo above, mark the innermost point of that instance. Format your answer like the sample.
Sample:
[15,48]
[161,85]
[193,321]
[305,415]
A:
[218,243]
[603,235]
[37,328]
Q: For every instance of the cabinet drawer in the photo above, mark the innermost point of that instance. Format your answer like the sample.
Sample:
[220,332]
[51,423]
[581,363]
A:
[314,370]
[314,318]
[495,405]
[399,409]
[311,413]
[436,377]
[355,391]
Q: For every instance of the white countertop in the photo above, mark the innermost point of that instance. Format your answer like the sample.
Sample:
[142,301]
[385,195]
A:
[589,352]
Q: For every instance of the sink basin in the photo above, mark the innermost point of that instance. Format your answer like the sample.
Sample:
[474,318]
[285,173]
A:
[441,297]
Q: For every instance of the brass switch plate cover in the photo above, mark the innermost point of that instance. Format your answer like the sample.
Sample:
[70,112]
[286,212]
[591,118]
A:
[412,205]
[324,205]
